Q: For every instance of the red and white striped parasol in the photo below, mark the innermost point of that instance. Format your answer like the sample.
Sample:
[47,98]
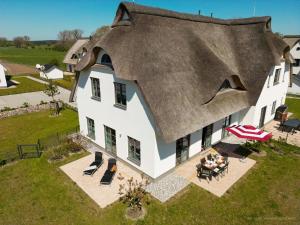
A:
[249,132]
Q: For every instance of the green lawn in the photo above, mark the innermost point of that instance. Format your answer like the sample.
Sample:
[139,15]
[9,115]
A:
[36,192]
[26,129]
[294,106]
[67,82]
[31,56]
[26,85]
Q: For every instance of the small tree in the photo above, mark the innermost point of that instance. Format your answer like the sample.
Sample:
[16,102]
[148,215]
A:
[133,193]
[52,90]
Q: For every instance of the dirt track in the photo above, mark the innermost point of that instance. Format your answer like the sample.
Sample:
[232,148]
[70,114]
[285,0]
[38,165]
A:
[15,69]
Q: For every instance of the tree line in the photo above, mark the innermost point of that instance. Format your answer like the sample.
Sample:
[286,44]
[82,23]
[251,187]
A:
[65,39]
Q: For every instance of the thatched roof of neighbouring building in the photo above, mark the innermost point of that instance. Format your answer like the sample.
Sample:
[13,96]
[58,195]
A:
[180,62]
[72,55]
[291,40]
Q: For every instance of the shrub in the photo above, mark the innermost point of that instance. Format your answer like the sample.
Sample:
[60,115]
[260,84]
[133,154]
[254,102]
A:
[7,109]
[25,105]
[73,146]
[57,153]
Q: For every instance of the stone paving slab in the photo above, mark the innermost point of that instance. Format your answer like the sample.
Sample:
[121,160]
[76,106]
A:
[167,187]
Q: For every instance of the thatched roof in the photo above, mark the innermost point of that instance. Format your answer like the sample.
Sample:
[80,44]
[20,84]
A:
[291,40]
[180,61]
[74,50]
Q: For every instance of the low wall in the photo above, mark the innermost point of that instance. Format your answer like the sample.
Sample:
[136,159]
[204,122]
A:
[24,110]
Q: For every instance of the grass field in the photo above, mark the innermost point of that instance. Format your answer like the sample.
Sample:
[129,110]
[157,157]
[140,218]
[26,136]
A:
[294,106]
[26,85]
[67,82]
[26,129]
[31,56]
[36,192]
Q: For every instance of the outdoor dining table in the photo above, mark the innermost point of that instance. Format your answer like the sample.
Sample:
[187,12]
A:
[293,124]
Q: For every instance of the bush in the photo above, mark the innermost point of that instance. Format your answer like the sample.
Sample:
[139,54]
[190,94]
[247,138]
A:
[7,109]
[57,153]
[73,146]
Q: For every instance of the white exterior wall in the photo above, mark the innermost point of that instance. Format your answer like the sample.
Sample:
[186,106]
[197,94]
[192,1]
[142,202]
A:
[54,73]
[3,82]
[135,121]
[295,88]
[157,157]
[296,55]
[268,96]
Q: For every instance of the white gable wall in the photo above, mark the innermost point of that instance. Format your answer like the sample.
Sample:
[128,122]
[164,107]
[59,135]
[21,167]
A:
[295,88]
[135,121]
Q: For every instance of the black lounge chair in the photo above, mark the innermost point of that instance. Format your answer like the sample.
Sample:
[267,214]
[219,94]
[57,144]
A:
[94,166]
[110,172]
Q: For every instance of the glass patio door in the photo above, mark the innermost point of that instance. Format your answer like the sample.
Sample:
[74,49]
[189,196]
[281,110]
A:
[182,149]
[110,140]
[207,135]
[226,123]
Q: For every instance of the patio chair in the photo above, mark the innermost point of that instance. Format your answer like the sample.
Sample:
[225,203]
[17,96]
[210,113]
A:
[209,157]
[94,166]
[202,161]
[110,172]
[204,172]
[224,167]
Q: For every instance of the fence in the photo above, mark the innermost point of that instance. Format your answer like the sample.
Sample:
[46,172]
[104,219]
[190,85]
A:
[23,151]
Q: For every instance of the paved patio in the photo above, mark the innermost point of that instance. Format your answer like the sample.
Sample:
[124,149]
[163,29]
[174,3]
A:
[103,195]
[273,127]
[237,168]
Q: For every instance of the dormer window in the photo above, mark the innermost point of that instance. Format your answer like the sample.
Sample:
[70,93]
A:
[105,60]
[226,85]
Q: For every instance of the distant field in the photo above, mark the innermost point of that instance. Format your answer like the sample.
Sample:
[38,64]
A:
[26,85]
[31,57]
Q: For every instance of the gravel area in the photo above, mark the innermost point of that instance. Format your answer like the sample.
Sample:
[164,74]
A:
[167,187]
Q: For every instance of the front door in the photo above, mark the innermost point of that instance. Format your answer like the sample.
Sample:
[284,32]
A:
[182,149]
[262,116]
[226,123]
[206,136]
[110,140]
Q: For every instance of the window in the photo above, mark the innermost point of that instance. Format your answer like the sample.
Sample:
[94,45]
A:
[105,60]
[273,107]
[276,76]
[297,62]
[298,49]
[120,95]
[225,85]
[269,78]
[134,151]
[91,128]
[95,89]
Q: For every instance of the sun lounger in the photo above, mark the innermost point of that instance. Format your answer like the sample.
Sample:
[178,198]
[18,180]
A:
[110,172]
[94,166]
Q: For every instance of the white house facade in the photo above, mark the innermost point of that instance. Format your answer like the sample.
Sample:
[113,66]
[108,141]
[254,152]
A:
[294,42]
[156,121]
[3,82]
[157,157]
[51,72]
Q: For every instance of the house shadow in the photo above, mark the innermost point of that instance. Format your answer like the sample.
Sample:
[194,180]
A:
[10,83]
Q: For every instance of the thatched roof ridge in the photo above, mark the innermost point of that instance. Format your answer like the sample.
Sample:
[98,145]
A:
[180,61]
[75,49]
[291,40]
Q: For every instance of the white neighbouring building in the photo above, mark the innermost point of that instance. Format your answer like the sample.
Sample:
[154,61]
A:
[154,96]
[294,42]
[51,72]
[3,82]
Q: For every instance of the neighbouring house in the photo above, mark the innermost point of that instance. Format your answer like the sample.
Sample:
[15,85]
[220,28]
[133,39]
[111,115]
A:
[160,85]
[3,82]
[48,71]
[75,53]
[294,42]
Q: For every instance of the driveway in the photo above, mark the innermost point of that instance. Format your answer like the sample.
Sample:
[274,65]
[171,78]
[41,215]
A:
[33,98]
